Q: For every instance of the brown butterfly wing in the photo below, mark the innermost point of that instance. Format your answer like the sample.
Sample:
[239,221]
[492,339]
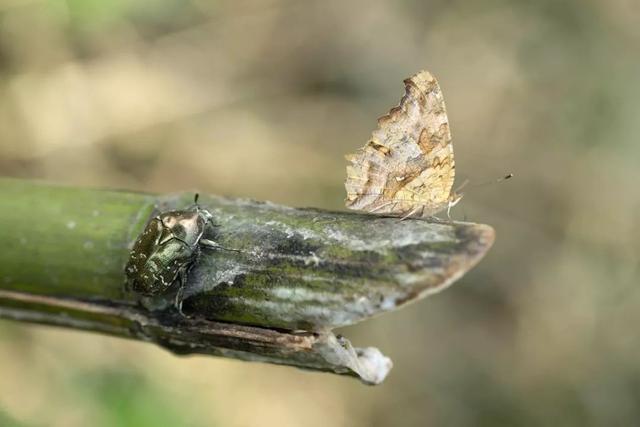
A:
[407,165]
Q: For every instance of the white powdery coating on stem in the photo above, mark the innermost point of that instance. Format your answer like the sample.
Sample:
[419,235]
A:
[399,237]
[334,311]
[305,295]
[304,233]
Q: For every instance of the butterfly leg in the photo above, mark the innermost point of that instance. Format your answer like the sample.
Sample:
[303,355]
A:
[412,212]
[449,210]
[384,205]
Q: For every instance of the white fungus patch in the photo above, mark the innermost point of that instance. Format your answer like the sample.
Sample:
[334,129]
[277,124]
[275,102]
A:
[313,259]
[374,366]
[304,295]
[398,237]
[292,232]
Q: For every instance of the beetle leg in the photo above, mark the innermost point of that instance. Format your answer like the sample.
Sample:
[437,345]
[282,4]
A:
[177,303]
[213,245]
[209,243]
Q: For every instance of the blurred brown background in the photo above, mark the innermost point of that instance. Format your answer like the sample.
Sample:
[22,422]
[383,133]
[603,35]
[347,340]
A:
[262,99]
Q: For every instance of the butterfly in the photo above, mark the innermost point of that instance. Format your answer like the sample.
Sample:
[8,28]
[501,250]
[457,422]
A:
[406,168]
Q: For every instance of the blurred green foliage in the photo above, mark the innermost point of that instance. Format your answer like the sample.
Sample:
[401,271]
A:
[126,399]
[6,421]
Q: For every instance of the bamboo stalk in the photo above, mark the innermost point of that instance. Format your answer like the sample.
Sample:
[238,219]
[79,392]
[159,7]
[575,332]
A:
[290,276]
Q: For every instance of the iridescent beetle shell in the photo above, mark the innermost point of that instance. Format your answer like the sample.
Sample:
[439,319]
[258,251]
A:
[166,250]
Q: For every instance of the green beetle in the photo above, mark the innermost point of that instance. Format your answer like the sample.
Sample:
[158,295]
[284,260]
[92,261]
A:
[165,251]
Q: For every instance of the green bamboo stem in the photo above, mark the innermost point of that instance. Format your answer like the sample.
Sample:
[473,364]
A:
[64,251]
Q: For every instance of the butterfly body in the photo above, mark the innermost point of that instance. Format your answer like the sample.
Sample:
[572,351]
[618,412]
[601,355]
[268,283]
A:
[407,167]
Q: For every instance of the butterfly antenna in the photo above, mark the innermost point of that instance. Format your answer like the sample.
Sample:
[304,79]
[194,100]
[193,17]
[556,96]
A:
[461,186]
[493,181]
